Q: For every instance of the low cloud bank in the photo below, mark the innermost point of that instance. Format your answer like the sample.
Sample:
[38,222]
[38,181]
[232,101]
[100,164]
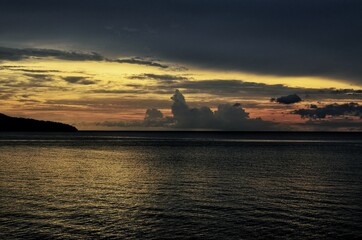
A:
[333,110]
[226,117]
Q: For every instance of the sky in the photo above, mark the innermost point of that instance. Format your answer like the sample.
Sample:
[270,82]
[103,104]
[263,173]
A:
[184,64]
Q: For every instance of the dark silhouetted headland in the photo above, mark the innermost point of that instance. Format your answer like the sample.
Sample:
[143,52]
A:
[14,124]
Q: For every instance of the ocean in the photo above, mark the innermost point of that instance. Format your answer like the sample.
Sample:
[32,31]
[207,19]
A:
[180,185]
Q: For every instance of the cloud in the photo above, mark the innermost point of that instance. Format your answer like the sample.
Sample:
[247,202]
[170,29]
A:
[232,87]
[226,117]
[153,114]
[79,80]
[36,82]
[17,54]
[141,61]
[118,91]
[5,96]
[122,124]
[154,118]
[186,117]
[35,77]
[31,101]
[347,91]
[290,99]
[159,77]
[235,88]
[332,110]
[22,69]
[112,104]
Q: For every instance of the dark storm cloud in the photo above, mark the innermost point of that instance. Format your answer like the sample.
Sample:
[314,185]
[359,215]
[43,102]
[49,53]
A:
[332,110]
[79,80]
[290,99]
[281,37]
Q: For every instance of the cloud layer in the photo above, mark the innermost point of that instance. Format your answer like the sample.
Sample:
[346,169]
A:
[19,54]
[141,61]
[331,110]
[231,117]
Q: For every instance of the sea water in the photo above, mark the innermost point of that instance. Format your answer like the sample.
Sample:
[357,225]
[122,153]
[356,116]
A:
[177,185]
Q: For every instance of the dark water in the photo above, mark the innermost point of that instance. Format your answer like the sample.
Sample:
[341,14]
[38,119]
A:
[180,185]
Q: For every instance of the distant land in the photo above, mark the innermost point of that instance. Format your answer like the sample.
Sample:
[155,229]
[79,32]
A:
[14,124]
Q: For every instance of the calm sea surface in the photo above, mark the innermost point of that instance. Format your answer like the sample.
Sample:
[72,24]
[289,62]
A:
[139,185]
